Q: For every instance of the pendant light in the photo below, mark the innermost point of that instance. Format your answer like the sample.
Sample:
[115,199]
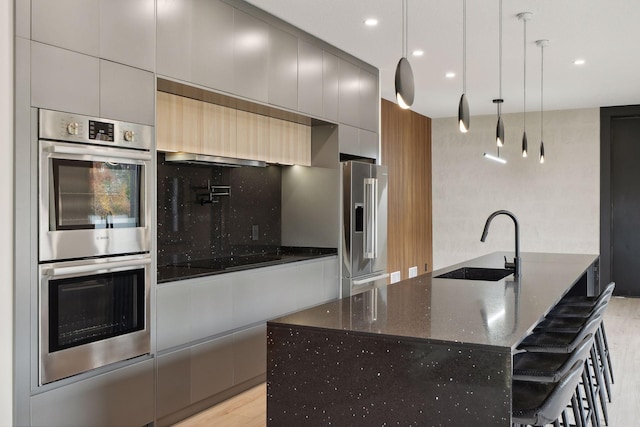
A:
[463,108]
[542,44]
[405,89]
[524,17]
[499,101]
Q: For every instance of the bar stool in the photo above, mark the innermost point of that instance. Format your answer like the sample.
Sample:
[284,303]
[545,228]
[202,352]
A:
[601,336]
[538,404]
[572,312]
[551,367]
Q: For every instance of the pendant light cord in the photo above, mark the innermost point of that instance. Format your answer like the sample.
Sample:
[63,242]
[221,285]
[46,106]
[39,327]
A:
[524,101]
[464,46]
[541,91]
[500,51]
[405,28]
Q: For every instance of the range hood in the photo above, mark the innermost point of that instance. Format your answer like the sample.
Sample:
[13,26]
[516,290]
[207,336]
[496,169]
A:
[201,159]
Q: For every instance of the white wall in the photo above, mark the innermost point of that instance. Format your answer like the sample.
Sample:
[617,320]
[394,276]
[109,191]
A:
[6,213]
[557,203]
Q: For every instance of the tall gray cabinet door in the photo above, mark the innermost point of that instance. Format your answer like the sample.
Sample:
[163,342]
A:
[70,24]
[128,32]
[64,80]
[369,101]
[251,57]
[330,86]
[283,69]
[349,108]
[212,44]
[309,79]
[126,93]
[174,38]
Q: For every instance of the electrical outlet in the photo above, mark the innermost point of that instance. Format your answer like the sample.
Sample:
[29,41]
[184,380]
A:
[255,232]
[413,271]
[395,277]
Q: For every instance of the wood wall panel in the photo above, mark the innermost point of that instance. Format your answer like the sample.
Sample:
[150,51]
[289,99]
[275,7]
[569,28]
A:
[406,150]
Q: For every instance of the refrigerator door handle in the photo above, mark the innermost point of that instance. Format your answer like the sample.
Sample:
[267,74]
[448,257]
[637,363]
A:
[371,218]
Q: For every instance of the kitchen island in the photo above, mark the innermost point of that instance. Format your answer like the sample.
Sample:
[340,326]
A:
[424,351]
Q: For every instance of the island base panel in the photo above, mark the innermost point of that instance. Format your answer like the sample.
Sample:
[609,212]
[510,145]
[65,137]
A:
[328,377]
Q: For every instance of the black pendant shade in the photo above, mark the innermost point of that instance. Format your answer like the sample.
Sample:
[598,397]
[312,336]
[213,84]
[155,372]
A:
[541,152]
[525,146]
[464,119]
[405,89]
[500,132]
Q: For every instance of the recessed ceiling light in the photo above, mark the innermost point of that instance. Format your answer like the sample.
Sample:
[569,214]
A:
[418,52]
[371,22]
[450,75]
[579,62]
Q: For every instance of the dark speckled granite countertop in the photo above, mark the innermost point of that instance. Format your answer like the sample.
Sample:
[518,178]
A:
[497,314]
[208,267]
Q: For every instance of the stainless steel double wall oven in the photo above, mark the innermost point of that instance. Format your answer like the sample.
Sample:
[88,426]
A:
[94,242]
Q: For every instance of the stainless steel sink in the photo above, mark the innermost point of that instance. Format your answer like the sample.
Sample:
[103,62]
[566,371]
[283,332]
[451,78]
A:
[476,273]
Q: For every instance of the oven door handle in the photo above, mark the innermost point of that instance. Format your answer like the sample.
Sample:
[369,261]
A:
[80,269]
[129,154]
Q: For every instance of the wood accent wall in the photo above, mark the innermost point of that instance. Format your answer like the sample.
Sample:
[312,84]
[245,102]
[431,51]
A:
[406,150]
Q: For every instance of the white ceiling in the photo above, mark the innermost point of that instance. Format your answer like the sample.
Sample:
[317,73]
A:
[604,33]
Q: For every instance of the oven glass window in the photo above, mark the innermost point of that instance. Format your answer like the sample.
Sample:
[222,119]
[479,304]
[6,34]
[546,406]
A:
[93,308]
[89,195]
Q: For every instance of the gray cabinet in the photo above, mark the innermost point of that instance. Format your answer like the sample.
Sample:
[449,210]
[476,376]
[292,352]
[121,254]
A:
[64,80]
[217,326]
[369,144]
[174,382]
[121,397]
[70,24]
[369,101]
[251,57]
[250,353]
[126,93]
[358,142]
[330,86]
[310,66]
[213,367]
[349,94]
[127,32]
[283,69]
[119,30]
[195,42]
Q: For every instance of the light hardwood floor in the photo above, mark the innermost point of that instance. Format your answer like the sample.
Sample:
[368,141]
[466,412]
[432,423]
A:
[622,322]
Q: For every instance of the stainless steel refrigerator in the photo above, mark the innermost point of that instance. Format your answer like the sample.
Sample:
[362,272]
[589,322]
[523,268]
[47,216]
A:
[364,227]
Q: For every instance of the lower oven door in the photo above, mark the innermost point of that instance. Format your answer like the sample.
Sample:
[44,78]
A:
[92,313]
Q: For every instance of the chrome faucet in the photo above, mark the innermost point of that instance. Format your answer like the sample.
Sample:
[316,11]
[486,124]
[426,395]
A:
[516,265]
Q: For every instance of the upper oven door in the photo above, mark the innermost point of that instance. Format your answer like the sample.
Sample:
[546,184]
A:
[93,200]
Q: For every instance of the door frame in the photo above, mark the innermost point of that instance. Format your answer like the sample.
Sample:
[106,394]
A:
[607,115]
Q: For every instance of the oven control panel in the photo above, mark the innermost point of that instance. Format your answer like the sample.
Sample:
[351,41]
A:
[59,126]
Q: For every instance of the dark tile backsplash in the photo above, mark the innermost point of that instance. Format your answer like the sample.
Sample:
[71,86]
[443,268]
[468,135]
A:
[189,230]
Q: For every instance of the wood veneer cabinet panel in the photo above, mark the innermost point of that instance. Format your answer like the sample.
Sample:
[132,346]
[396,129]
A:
[192,126]
[252,133]
[406,150]
[219,130]
[169,112]
[282,141]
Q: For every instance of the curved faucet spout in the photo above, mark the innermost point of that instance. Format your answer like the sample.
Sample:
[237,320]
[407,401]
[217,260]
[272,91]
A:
[516,265]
